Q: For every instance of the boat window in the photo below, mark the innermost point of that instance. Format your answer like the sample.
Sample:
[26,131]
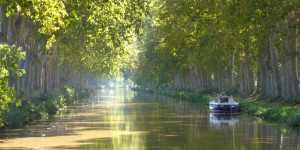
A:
[224,100]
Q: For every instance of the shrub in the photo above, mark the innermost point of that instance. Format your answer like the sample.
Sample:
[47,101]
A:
[41,105]
[19,116]
[40,97]
[75,92]
[50,107]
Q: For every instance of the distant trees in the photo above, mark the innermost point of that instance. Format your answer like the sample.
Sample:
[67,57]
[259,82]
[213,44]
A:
[245,46]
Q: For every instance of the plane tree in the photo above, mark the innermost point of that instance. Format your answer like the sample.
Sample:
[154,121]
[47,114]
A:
[245,46]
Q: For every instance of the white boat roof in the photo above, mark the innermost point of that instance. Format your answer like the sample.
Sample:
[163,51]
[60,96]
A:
[226,96]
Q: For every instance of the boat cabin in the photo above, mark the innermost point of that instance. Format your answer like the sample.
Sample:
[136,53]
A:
[224,99]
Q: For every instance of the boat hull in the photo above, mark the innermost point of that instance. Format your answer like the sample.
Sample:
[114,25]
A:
[227,108]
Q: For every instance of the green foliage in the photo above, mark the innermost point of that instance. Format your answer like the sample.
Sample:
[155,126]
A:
[97,33]
[40,96]
[20,116]
[92,36]
[83,92]
[50,102]
[74,93]
[273,112]
[9,56]
[50,15]
[50,107]
[47,14]
[182,34]
[43,104]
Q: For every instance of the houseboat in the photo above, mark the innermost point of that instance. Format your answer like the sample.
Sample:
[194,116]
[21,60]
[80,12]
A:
[224,104]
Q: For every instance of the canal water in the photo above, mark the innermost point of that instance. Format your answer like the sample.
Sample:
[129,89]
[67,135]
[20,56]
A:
[124,119]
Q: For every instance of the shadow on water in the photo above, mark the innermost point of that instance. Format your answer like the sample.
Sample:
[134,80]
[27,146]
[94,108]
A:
[123,119]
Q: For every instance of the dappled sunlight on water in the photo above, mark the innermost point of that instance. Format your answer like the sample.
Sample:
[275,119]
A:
[123,119]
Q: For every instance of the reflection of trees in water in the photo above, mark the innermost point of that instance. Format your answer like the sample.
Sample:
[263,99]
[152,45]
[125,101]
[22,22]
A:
[266,136]
[123,121]
[164,123]
[192,124]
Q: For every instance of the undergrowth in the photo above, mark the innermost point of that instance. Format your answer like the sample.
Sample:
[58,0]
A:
[40,105]
[283,113]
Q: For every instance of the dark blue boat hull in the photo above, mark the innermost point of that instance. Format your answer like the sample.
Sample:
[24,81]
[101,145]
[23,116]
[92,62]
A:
[224,108]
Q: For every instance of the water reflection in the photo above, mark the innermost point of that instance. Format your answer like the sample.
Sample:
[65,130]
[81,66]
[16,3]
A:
[223,120]
[123,119]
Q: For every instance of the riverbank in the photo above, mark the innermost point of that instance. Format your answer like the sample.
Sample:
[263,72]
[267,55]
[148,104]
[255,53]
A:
[286,112]
[42,105]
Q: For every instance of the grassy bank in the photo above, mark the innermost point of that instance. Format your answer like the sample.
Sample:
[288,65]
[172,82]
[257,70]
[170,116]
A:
[276,110]
[271,109]
[41,105]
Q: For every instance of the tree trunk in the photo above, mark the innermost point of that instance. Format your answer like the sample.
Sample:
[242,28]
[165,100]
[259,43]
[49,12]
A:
[264,79]
[284,68]
[251,81]
[274,65]
[241,78]
[294,75]
[4,21]
[292,37]
[284,78]
[47,69]
[10,43]
[259,80]
[268,83]
[250,77]
[54,75]
[10,37]
[41,72]
[28,77]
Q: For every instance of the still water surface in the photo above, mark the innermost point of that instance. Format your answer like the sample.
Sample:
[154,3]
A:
[124,119]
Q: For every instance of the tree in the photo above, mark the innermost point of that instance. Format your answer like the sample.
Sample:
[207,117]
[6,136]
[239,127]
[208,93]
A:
[231,45]
[9,57]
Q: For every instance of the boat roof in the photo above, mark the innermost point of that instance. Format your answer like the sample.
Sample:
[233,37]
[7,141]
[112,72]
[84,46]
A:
[226,96]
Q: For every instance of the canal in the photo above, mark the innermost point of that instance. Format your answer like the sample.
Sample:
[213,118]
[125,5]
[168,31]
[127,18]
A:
[125,119]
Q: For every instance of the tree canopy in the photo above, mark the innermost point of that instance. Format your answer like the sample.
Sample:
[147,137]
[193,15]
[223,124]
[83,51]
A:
[221,45]
[65,42]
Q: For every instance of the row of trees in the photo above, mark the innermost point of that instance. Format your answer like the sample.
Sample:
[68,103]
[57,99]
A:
[65,42]
[243,46]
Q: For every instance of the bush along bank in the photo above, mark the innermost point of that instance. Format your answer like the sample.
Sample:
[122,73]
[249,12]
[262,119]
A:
[262,107]
[42,105]
[286,114]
